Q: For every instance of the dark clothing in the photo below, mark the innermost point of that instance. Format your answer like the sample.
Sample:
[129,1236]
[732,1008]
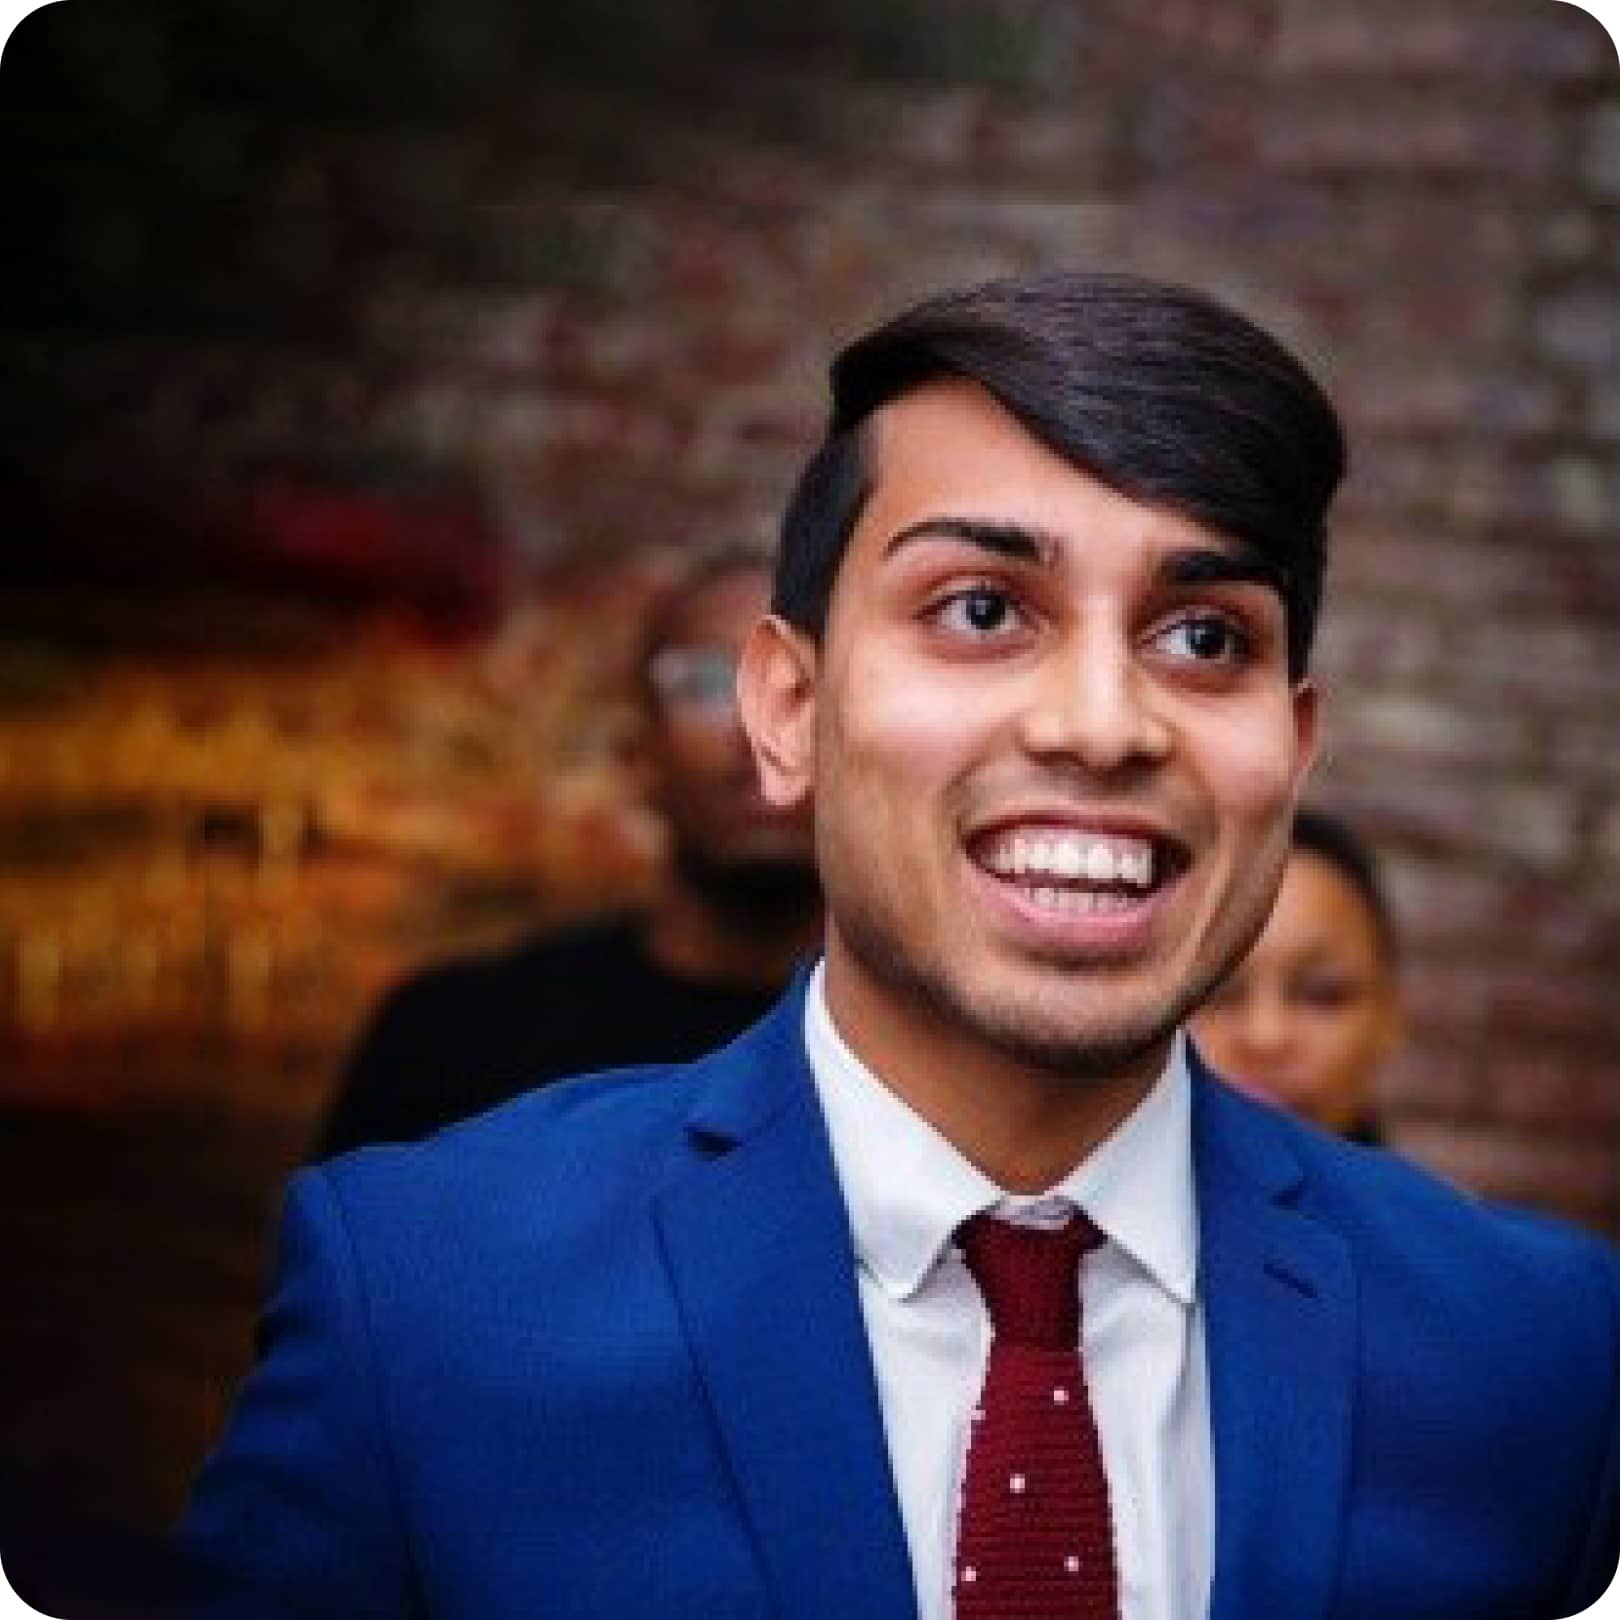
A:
[468,1034]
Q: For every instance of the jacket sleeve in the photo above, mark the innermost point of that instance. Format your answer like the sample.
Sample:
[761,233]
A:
[1600,1552]
[296,1516]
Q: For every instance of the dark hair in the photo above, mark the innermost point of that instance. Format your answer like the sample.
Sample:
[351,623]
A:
[1324,835]
[1156,390]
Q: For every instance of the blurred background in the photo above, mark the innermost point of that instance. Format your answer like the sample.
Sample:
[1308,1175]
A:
[364,362]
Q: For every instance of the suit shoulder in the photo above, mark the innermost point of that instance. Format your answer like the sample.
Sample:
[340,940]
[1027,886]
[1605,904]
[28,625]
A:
[589,1128]
[1401,1214]
[557,1187]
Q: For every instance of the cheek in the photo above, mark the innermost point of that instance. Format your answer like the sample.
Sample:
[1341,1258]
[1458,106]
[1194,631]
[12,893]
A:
[1250,764]
[1337,1050]
[897,728]
[1359,1041]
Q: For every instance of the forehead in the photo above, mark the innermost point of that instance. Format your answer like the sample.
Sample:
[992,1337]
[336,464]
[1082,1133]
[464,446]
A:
[1317,900]
[951,449]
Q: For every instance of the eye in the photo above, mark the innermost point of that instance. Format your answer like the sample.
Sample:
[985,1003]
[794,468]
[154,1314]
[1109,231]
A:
[1326,993]
[1207,638]
[980,611]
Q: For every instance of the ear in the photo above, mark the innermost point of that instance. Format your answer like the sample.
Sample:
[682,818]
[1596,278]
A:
[1307,728]
[776,696]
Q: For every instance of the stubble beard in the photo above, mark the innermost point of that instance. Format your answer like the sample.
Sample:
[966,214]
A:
[1032,1030]
[758,894]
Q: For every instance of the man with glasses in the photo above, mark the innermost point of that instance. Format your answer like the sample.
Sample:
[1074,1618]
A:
[737,906]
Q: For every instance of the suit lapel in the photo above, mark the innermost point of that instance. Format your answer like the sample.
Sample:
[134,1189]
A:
[1281,1344]
[757,1245]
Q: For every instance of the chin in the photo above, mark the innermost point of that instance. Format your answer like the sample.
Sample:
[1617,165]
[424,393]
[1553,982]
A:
[1048,1028]
[1088,1052]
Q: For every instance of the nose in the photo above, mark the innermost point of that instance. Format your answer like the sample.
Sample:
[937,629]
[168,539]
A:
[1262,1028]
[1093,705]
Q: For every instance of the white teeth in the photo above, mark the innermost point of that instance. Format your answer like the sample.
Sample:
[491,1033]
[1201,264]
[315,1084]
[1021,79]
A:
[1100,864]
[1072,857]
[1136,866]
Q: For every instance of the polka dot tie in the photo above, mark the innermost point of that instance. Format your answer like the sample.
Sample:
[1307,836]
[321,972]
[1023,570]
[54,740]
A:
[1035,1540]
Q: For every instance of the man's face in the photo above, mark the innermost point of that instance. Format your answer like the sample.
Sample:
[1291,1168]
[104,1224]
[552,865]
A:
[704,780]
[1053,749]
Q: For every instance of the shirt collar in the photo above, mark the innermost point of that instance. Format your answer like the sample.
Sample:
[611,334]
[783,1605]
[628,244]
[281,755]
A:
[907,1189]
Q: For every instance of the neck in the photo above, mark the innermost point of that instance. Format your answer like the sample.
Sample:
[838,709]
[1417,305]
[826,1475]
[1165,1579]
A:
[697,935]
[1025,1127]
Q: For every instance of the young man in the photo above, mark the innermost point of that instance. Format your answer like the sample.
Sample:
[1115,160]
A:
[955,1287]
[738,907]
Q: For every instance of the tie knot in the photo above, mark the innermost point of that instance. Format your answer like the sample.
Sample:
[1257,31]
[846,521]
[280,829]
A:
[1029,1276]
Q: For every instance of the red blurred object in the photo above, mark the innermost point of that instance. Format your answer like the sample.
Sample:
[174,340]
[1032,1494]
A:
[427,547]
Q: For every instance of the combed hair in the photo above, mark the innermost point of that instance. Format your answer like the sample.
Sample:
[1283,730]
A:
[1155,390]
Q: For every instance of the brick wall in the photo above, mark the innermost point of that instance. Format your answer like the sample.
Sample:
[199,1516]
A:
[585,268]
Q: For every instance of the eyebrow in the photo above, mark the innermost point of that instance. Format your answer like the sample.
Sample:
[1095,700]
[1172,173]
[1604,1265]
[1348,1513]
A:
[1243,564]
[1205,565]
[1014,540]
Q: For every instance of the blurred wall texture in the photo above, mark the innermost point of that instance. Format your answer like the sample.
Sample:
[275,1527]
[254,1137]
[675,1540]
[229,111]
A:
[362,361]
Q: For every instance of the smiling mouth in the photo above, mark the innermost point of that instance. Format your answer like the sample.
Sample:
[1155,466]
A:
[1067,869]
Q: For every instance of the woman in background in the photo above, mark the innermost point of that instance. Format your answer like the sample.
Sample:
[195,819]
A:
[1314,1009]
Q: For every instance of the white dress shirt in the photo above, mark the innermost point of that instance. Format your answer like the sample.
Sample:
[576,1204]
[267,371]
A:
[907,1190]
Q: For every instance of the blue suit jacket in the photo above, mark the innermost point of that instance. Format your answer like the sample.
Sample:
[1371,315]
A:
[600,1354]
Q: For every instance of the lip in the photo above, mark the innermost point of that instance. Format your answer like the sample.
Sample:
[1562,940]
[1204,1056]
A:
[1081,938]
[1103,822]
[1077,939]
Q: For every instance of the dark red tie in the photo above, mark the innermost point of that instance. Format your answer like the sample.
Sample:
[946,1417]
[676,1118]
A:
[1035,1540]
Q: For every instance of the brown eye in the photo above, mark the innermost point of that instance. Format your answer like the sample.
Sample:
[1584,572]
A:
[979,611]
[1327,994]
[1208,638]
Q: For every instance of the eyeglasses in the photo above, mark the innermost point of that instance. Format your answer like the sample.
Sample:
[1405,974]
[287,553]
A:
[702,680]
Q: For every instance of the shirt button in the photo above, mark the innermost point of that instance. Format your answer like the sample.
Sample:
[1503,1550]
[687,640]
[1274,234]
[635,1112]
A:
[1017,1484]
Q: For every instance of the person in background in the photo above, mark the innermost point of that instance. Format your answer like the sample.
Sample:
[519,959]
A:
[736,908]
[1315,1007]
